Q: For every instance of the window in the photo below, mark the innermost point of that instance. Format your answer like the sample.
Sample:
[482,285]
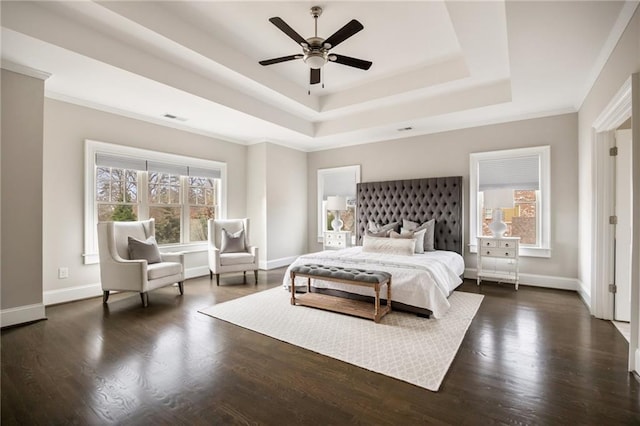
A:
[340,181]
[517,182]
[180,193]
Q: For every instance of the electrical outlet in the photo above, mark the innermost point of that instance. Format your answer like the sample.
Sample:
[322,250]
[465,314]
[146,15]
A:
[63,272]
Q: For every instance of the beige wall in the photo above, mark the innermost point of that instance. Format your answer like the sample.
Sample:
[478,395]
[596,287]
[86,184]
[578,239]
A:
[276,202]
[257,198]
[447,154]
[286,203]
[66,126]
[624,61]
[21,169]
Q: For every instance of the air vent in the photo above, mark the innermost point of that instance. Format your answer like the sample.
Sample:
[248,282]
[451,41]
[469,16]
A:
[174,117]
[405,129]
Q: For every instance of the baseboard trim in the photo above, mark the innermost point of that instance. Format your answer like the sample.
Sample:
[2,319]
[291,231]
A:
[22,314]
[277,263]
[546,281]
[199,271]
[70,294]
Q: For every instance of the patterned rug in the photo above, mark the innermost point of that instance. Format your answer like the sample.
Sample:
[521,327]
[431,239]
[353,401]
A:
[401,345]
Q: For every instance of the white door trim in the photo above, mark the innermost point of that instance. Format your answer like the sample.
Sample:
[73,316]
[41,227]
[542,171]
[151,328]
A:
[619,109]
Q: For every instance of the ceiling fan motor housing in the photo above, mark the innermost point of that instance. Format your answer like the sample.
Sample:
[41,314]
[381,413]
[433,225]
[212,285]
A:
[315,54]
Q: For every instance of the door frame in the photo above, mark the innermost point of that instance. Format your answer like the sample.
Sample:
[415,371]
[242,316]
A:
[619,109]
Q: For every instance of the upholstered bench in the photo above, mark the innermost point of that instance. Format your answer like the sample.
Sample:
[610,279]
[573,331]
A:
[351,276]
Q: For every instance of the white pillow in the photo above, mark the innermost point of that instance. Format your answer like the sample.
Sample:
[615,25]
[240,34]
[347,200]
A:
[429,236]
[400,246]
[418,235]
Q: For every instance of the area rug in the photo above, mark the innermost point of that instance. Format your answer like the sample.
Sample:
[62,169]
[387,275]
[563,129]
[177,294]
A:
[404,346]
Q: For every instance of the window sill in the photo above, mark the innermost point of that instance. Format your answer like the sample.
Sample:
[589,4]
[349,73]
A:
[523,252]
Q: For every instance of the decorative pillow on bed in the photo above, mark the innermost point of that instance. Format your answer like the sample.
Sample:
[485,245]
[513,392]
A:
[417,235]
[401,246]
[374,227]
[379,234]
[430,226]
[232,243]
[144,250]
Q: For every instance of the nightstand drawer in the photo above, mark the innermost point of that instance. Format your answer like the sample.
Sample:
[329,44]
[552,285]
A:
[334,244]
[498,252]
[339,237]
[489,243]
[507,244]
[337,240]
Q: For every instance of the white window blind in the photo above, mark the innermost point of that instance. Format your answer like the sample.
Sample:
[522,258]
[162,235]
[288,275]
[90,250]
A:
[516,173]
[120,162]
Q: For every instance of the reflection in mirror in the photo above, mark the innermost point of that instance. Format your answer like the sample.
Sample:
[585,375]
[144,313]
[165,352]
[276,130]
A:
[338,181]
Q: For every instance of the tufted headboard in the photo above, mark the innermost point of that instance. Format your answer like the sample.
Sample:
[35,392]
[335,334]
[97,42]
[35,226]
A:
[417,200]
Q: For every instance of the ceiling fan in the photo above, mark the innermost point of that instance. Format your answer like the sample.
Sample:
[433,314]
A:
[315,50]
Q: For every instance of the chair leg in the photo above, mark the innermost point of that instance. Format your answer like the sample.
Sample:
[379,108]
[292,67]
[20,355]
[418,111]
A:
[145,299]
[181,287]
[217,279]
[244,277]
[210,274]
[105,296]
[255,272]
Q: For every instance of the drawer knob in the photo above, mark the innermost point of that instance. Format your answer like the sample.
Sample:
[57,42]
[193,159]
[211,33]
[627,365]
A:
[506,245]
[506,254]
[488,253]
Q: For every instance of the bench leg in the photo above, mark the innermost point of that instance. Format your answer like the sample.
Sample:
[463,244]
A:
[376,312]
[389,294]
[293,288]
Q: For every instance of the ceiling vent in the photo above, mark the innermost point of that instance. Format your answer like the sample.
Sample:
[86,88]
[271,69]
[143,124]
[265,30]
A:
[174,117]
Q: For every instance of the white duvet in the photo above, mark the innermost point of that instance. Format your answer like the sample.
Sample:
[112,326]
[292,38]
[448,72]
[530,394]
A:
[422,280]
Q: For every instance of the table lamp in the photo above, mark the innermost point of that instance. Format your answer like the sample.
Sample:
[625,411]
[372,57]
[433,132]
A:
[337,204]
[496,200]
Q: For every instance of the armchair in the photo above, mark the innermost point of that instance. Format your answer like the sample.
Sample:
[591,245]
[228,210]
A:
[230,255]
[120,273]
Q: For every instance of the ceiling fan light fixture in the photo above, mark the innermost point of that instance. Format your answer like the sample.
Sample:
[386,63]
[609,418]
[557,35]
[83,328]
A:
[315,59]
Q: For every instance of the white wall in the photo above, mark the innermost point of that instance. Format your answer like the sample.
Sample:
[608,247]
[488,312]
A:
[21,169]
[66,126]
[447,154]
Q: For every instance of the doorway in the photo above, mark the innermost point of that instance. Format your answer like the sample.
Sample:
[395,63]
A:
[603,256]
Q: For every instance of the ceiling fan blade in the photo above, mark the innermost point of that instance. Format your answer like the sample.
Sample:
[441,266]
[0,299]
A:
[352,62]
[344,33]
[281,59]
[314,77]
[285,28]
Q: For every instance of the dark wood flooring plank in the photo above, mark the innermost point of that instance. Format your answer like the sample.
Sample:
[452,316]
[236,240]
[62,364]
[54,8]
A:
[534,356]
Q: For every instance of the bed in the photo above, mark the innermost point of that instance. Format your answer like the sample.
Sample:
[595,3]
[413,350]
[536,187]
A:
[422,283]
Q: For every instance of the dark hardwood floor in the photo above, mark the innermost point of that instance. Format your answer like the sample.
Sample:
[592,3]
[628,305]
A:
[530,357]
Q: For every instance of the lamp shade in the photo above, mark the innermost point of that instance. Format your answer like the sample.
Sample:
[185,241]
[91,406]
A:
[498,198]
[336,202]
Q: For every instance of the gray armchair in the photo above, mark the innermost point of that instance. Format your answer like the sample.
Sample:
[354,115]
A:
[120,273]
[231,252]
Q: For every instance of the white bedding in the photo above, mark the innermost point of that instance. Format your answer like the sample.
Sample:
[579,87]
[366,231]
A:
[422,280]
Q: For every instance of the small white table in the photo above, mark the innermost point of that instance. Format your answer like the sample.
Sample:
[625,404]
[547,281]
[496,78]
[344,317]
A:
[335,240]
[499,248]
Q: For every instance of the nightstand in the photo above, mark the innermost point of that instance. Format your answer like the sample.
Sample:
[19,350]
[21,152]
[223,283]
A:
[335,240]
[499,248]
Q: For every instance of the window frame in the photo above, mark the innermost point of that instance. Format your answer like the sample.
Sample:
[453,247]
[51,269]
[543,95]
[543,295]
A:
[322,173]
[93,147]
[543,200]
